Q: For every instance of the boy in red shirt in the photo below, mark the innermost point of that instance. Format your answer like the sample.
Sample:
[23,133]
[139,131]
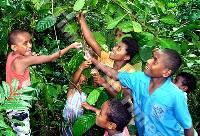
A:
[17,67]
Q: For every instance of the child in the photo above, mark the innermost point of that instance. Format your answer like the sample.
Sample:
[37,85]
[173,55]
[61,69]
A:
[186,82]
[17,67]
[118,58]
[75,97]
[113,117]
[159,106]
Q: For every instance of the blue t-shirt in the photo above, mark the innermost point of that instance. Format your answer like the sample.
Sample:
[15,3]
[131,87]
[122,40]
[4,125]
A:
[160,113]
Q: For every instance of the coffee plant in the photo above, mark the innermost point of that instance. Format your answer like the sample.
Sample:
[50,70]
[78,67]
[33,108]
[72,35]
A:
[171,24]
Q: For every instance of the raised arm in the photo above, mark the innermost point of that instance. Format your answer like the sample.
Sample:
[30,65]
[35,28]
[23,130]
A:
[88,35]
[107,70]
[20,64]
[77,74]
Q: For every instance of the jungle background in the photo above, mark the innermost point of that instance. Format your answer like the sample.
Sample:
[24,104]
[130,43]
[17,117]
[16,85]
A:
[171,24]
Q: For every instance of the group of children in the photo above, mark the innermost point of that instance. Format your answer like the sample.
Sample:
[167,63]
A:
[160,106]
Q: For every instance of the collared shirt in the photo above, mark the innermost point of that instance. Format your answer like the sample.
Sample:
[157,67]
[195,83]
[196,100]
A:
[160,113]
[109,62]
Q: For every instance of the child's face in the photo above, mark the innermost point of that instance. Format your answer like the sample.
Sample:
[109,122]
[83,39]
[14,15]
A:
[178,81]
[23,44]
[119,52]
[102,118]
[82,79]
[155,66]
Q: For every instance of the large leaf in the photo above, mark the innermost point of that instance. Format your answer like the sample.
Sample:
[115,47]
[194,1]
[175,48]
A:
[58,11]
[113,23]
[145,53]
[136,26]
[93,97]
[170,19]
[75,61]
[71,28]
[168,43]
[83,124]
[126,26]
[45,23]
[79,5]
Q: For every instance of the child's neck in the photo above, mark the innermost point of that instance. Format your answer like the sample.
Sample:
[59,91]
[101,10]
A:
[119,64]
[156,83]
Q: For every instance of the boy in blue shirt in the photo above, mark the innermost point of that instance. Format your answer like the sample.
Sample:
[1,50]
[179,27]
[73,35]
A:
[159,105]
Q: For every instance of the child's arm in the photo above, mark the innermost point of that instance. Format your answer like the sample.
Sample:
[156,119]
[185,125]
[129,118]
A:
[107,70]
[30,60]
[88,35]
[20,64]
[77,74]
[101,81]
[90,107]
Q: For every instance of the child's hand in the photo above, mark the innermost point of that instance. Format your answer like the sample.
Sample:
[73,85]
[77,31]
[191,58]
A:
[86,106]
[87,56]
[80,17]
[76,45]
[94,72]
[99,79]
[85,64]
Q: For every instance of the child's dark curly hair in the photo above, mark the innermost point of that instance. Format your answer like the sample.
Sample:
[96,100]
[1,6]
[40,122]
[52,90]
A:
[119,113]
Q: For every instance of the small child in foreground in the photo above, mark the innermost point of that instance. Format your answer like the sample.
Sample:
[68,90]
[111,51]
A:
[17,67]
[113,117]
[75,97]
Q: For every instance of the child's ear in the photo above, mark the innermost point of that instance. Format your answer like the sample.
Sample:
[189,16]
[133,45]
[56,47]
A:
[127,57]
[112,125]
[167,73]
[184,88]
[13,47]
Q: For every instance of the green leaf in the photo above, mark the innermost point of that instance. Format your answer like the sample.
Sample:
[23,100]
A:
[126,26]
[93,97]
[15,83]
[45,23]
[71,28]
[188,27]
[113,23]
[137,27]
[25,90]
[168,43]
[2,95]
[6,89]
[145,53]
[9,132]
[3,124]
[75,61]
[23,97]
[83,124]
[58,11]
[79,5]
[15,105]
[169,19]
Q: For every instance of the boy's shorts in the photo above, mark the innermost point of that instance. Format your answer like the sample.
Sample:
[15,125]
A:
[22,129]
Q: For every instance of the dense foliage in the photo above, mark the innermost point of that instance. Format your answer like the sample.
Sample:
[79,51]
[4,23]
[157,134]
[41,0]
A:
[154,23]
